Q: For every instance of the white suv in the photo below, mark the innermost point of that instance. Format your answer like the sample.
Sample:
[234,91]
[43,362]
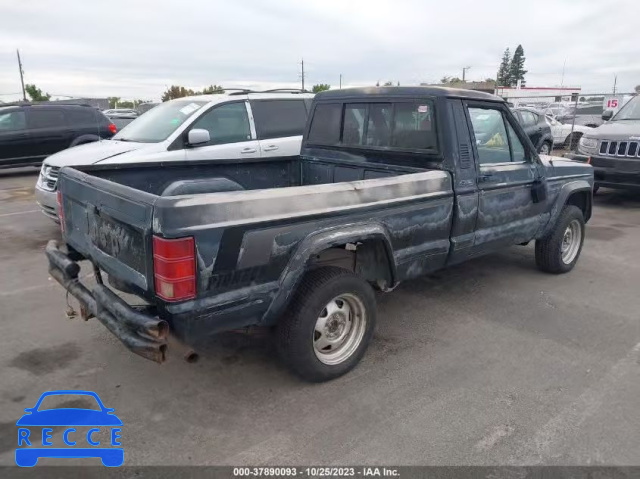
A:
[236,125]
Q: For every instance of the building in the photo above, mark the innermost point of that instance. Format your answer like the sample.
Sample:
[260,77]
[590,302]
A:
[538,95]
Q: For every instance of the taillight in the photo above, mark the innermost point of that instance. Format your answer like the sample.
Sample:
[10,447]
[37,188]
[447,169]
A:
[112,128]
[60,210]
[174,268]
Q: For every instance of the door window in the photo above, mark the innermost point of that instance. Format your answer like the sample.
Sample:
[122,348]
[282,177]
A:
[12,121]
[518,153]
[279,118]
[491,137]
[47,118]
[227,123]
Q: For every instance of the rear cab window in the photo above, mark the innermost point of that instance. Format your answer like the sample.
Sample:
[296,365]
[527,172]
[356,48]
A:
[399,125]
[279,118]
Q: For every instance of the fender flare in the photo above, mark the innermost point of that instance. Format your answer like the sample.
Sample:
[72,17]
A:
[565,192]
[316,243]
[84,139]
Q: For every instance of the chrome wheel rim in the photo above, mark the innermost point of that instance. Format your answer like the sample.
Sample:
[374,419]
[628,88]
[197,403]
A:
[571,241]
[339,329]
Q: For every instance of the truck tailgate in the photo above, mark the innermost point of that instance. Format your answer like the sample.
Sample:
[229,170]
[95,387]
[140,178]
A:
[110,224]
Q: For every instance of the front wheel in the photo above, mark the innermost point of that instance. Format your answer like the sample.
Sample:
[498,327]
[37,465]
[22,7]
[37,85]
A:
[328,325]
[559,252]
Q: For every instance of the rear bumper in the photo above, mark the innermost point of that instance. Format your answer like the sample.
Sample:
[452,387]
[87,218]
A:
[142,333]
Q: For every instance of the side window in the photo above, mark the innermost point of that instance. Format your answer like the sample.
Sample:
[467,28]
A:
[517,148]
[82,116]
[227,123]
[353,129]
[379,125]
[413,126]
[279,118]
[325,124]
[12,121]
[490,133]
[46,118]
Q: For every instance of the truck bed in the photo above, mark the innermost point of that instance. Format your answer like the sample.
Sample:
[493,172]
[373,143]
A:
[247,219]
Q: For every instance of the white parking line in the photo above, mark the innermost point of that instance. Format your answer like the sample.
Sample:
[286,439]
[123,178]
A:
[19,213]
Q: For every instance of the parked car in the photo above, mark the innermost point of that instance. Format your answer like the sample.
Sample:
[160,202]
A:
[391,184]
[31,132]
[121,120]
[563,136]
[145,107]
[586,114]
[535,126]
[121,111]
[613,149]
[239,125]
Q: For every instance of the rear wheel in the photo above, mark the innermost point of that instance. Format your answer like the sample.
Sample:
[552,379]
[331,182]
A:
[559,251]
[545,148]
[329,324]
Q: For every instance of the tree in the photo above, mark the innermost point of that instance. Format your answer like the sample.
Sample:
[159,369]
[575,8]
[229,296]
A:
[36,94]
[125,104]
[637,88]
[211,90]
[504,77]
[447,80]
[113,101]
[389,83]
[320,87]
[516,69]
[490,80]
[176,91]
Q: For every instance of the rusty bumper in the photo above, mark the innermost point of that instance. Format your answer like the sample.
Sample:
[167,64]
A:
[141,333]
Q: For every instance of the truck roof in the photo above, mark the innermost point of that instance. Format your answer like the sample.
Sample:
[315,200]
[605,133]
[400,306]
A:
[406,91]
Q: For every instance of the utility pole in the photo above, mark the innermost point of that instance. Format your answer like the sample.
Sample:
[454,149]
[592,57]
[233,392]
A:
[24,94]
[302,63]
[340,80]
[615,82]
[464,72]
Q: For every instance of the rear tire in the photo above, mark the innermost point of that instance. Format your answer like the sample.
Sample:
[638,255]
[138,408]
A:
[558,252]
[328,325]
[545,148]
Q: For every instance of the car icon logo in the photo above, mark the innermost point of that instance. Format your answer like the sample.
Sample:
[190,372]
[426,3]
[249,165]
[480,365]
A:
[83,431]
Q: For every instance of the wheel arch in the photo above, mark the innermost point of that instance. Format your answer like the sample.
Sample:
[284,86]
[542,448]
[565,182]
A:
[364,249]
[577,193]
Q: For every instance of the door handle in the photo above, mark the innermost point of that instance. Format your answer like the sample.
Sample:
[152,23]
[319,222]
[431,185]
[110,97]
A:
[485,177]
[248,150]
[270,148]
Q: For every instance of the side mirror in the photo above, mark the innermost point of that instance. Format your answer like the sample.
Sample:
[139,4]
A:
[197,137]
[607,115]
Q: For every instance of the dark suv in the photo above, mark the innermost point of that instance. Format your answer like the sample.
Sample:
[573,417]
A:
[31,132]
[536,127]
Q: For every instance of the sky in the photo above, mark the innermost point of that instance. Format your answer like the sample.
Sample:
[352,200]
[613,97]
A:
[137,48]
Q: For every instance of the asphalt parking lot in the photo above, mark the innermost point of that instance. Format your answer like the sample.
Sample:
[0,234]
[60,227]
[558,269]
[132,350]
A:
[488,363]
